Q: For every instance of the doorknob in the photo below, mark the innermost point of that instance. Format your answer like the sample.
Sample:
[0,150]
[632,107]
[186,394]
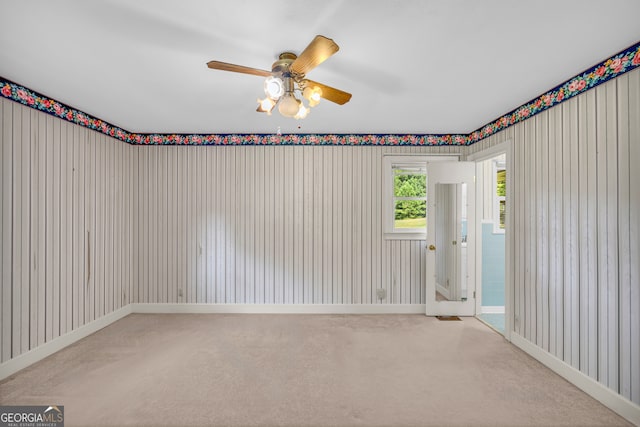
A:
[432,247]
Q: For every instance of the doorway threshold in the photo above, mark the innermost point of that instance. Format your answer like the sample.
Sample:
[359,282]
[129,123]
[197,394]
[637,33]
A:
[494,320]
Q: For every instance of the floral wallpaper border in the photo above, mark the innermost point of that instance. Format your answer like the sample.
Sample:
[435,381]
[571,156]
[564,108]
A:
[618,64]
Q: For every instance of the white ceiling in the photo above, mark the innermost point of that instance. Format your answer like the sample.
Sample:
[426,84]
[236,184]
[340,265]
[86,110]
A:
[437,66]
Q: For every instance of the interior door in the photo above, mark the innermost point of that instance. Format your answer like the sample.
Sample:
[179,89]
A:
[450,287]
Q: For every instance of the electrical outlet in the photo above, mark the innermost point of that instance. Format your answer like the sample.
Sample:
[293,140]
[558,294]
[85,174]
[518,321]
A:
[382,293]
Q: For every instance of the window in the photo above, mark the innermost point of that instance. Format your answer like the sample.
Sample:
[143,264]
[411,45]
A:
[499,196]
[409,197]
[405,201]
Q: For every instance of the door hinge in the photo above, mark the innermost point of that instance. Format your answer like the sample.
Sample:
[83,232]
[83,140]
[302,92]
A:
[474,294]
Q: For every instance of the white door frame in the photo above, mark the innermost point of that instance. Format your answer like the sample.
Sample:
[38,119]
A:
[506,148]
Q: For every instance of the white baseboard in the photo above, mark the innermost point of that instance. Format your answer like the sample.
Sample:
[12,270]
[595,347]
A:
[281,308]
[605,395]
[493,309]
[12,366]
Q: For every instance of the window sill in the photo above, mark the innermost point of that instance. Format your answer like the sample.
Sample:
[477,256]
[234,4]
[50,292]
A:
[405,236]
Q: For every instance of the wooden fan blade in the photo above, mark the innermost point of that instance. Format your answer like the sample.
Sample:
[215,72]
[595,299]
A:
[313,55]
[217,65]
[330,93]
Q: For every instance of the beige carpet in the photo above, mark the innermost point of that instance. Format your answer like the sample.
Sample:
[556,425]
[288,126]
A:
[301,370]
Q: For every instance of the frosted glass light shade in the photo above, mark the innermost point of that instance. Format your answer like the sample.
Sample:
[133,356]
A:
[313,95]
[274,87]
[302,112]
[288,105]
[266,105]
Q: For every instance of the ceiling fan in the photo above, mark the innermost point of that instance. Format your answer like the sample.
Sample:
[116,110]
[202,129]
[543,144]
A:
[288,75]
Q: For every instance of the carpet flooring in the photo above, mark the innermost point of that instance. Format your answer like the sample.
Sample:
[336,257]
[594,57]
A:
[301,370]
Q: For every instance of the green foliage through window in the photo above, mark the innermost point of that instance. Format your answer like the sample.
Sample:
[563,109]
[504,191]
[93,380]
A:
[501,188]
[410,209]
[408,184]
[501,193]
[410,192]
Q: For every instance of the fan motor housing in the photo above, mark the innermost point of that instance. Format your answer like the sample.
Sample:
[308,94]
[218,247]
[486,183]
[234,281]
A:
[282,65]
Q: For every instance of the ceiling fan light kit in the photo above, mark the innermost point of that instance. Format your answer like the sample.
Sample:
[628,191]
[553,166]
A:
[289,105]
[274,87]
[312,95]
[287,76]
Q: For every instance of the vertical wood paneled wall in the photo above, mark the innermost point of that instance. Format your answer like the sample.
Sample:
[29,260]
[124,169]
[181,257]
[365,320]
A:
[65,227]
[89,224]
[574,181]
[269,225]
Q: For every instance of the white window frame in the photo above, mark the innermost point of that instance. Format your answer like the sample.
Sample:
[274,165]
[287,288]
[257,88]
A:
[391,162]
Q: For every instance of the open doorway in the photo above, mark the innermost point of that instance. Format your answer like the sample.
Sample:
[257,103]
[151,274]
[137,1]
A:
[492,196]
